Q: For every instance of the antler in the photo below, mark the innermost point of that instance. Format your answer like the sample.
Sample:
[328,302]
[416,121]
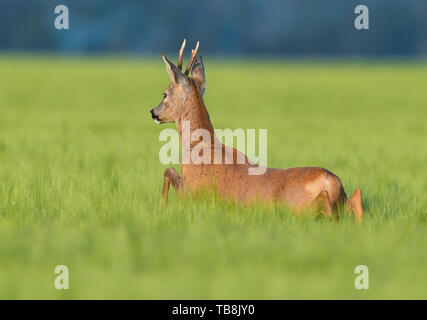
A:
[181,52]
[193,57]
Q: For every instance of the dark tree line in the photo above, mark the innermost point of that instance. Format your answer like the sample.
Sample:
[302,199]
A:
[291,27]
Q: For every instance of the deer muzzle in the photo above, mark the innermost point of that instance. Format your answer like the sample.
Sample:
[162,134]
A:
[155,116]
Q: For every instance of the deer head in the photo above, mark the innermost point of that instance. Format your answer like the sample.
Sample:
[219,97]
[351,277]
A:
[183,89]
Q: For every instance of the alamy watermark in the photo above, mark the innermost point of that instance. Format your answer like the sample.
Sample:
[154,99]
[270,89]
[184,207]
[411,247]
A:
[62,280]
[209,148]
[362,20]
[62,21]
[362,280]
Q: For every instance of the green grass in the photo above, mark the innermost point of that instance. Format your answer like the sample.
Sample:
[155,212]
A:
[80,182]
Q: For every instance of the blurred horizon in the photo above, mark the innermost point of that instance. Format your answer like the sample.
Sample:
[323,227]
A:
[274,28]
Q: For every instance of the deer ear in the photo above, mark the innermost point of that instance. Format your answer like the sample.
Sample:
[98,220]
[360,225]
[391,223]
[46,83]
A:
[174,72]
[198,74]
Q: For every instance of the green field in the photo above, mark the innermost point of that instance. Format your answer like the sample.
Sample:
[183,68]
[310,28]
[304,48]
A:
[80,182]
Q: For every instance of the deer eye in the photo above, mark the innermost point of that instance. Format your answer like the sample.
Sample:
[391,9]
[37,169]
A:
[164,95]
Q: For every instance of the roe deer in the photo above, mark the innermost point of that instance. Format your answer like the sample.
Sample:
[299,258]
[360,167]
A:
[301,188]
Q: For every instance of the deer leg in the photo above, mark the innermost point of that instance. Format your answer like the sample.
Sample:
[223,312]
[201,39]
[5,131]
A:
[354,205]
[322,199]
[171,176]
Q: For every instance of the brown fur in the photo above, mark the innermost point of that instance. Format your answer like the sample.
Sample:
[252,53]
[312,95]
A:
[302,188]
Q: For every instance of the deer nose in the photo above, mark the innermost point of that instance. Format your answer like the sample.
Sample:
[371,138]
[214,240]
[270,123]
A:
[154,116]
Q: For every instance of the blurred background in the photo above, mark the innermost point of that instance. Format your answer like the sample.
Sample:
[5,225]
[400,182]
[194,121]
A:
[81,180]
[240,27]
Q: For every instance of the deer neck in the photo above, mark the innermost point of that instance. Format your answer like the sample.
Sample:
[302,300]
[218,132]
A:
[196,117]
